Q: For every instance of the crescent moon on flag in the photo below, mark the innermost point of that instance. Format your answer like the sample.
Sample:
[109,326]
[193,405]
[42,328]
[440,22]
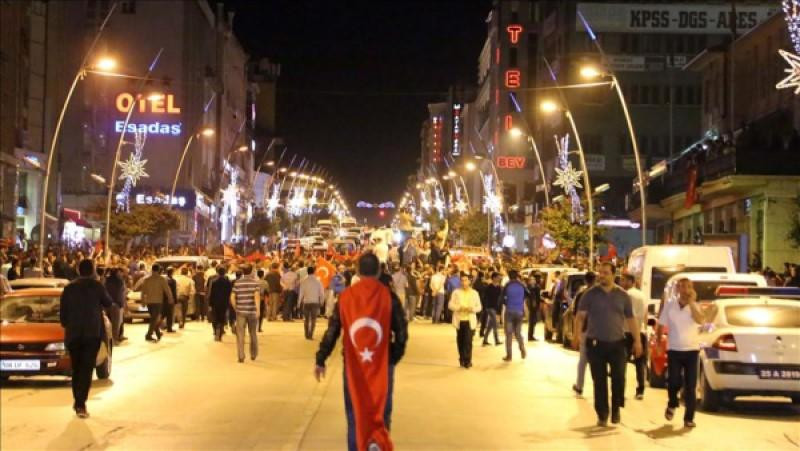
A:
[324,270]
[365,322]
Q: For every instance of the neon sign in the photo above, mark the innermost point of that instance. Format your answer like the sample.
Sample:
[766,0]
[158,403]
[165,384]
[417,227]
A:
[511,162]
[513,78]
[456,129]
[509,122]
[514,32]
[158,104]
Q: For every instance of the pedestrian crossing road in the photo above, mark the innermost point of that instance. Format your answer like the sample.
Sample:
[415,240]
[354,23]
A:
[189,392]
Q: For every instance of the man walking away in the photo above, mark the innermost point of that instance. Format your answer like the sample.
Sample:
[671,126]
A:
[375,340]
[412,293]
[264,296]
[81,314]
[200,306]
[245,301]
[606,308]
[400,286]
[639,312]
[184,286]
[289,284]
[169,307]
[514,294]
[311,297]
[115,287]
[219,295]
[437,290]
[681,316]
[492,294]
[155,294]
[579,330]
[273,279]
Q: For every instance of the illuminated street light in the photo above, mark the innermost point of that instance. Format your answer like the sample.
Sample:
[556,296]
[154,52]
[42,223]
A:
[106,64]
[658,169]
[207,131]
[242,148]
[293,174]
[451,173]
[470,166]
[602,188]
[515,132]
[98,178]
[270,163]
[590,72]
[282,170]
[548,106]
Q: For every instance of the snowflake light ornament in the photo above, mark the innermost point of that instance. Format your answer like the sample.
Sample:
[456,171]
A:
[132,176]
[133,169]
[568,178]
[791,9]
[274,200]
[424,202]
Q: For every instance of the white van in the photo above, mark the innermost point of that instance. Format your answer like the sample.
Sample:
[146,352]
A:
[654,265]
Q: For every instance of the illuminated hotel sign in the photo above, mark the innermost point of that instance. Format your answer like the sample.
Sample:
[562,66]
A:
[456,129]
[184,199]
[162,106]
[511,162]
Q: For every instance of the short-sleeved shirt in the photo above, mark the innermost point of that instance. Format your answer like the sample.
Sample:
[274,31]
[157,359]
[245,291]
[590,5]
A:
[245,290]
[606,313]
[683,334]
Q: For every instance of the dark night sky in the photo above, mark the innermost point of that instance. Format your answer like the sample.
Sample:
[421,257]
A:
[356,77]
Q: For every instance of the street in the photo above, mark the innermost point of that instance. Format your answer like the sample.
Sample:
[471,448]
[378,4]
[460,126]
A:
[188,392]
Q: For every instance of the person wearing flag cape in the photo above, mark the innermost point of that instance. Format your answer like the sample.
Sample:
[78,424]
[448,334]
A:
[375,335]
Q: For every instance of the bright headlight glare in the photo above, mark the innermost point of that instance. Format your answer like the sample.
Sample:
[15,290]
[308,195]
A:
[55,347]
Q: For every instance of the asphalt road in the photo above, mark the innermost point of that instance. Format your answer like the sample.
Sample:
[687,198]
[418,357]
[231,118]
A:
[189,392]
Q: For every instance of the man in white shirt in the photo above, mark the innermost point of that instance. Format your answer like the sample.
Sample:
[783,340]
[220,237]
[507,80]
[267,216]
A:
[400,283]
[311,295]
[381,250]
[628,282]
[184,287]
[681,316]
[289,285]
[437,290]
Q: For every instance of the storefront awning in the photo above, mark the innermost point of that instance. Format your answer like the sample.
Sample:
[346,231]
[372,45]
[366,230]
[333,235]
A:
[75,216]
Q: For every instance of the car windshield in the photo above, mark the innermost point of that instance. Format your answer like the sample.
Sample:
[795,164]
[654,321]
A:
[30,309]
[780,316]
[661,275]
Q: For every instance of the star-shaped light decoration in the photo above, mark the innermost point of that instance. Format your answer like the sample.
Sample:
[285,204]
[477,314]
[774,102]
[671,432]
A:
[366,355]
[424,202]
[274,201]
[568,178]
[792,81]
[461,206]
[493,203]
[132,169]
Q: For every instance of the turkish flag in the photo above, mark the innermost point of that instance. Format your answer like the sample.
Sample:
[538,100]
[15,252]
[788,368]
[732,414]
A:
[324,272]
[365,310]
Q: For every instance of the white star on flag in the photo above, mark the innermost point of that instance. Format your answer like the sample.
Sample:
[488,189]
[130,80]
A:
[366,355]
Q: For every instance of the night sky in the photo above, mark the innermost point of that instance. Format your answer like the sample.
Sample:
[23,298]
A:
[356,77]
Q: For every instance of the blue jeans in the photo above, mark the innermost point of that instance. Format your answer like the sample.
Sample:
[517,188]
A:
[348,410]
[438,306]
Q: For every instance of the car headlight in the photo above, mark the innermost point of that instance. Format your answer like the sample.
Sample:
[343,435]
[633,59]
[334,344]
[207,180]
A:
[55,347]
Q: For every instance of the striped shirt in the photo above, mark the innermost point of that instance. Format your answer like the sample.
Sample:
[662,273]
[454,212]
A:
[245,290]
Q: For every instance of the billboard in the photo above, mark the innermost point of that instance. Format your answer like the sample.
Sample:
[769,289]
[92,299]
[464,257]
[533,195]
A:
[692,18]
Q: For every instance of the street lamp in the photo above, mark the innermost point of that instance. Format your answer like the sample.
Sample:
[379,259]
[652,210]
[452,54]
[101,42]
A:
[602,188]
[106,64]
[470,166]
[516,133]
[550,106]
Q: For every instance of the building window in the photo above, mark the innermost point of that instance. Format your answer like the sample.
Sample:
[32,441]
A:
[129,7]
[512,57]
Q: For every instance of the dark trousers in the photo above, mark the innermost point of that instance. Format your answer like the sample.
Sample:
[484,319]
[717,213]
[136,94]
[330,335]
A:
[82,353]
[115,316]
[155,319]
[200,306]
[183,302]
[464,342]
[682,366]
[514,329]
[262,313]
[533,317]
[218,316]
[168,313]
[232,318]
[641,362]
[288,305]
[427,305]
[490,319]
[310,313]
[602,355]
[350,413]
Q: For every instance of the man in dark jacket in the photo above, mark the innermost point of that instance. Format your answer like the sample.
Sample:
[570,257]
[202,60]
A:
[81,314]
[492,303]
[169,307]
[219,295]
[116,289]
[533,302]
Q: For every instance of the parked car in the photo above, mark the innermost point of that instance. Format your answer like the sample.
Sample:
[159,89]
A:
[705,284]
[32,339]
[750,346]
[37,282]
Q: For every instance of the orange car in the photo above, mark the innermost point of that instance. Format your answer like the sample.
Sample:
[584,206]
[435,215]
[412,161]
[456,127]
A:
[32,339]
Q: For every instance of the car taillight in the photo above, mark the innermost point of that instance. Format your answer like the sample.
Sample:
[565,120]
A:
[726,343]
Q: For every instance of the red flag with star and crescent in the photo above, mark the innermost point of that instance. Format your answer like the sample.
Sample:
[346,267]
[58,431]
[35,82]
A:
[366,310]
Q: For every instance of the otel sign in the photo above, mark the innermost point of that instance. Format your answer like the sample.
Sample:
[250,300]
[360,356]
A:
[156,105]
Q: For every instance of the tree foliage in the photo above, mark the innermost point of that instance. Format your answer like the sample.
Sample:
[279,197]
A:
[794,231]
[262,225]
[568,235]
[148,221]
[471,228]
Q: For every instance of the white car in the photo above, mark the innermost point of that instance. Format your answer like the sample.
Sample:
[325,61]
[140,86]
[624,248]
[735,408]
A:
[38,282]
[750,346]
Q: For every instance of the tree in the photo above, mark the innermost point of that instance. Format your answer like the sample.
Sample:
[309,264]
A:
[568,235]
[146,221]
[794,231]
[262,225]
[472,228]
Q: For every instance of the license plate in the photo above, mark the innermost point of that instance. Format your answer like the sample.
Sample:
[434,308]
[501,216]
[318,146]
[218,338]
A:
[779,373]
[20,365]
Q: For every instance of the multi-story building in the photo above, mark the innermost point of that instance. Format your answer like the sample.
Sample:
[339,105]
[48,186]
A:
[737,188]
[198,82]
[645,46]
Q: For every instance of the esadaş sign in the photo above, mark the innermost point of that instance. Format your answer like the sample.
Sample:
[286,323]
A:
[161,106]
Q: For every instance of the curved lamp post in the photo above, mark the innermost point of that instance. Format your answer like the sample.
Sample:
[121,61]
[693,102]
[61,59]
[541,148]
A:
[104,65]
[515,132]
[112,179]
